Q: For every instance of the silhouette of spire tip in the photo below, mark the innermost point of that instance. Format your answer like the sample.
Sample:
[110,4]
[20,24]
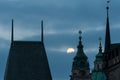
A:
[100,39]
[80,33]
[108,1]
[12,33]
[42,21]
[100,46]
[42,31]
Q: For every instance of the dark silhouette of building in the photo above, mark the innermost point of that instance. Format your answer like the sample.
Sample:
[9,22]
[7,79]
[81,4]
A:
[80,66]
[27,60]
[111,55]
[98,73]
[106,65]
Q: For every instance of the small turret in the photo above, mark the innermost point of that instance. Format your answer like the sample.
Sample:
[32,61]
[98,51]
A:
[99,59]
[98,73]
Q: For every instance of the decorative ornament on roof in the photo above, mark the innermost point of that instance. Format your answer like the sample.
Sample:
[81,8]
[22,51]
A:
[100,46]
[108,1]
[80,33]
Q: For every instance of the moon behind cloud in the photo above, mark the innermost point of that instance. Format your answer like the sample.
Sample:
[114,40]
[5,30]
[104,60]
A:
[70,50]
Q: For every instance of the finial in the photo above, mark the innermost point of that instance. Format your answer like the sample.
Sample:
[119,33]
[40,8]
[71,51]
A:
[12,33]
[100,46]
[80,46]
[108,1]
[42,31]
[80,33]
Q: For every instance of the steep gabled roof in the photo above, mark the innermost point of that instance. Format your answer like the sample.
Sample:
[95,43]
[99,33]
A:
[27,60]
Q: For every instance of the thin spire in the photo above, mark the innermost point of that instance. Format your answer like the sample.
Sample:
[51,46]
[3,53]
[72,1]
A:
[80,46]
[80,39]
[12,33]
[42,31]
[80,33]
[81,56]
[100,46]
[107,37]
[108,1]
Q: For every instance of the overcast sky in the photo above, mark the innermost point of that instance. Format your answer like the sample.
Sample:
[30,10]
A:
[62,21]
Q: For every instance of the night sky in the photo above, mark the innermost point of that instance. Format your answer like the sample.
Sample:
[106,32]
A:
[62,21]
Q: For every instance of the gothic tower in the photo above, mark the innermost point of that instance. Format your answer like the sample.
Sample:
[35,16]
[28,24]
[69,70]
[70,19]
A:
[107,36]
[80,66]
[27,60]
[111,55]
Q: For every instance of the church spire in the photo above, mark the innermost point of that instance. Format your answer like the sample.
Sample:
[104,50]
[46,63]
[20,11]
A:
[98,73]
[100,46]
[99,60]
[42,31]
[12,33]
[80,46]
[107,37]
[80,40]
[81,56]
[80,66]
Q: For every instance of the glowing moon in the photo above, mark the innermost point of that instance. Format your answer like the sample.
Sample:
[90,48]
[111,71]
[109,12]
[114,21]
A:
[70,50]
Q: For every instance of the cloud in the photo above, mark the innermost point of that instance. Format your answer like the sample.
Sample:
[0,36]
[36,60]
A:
[91,50]
[61,49]
[19,33]
[4,33]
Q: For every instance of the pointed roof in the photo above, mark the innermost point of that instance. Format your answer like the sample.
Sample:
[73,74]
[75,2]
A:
[98,74]
[100,54]
[27,60]
[107,36]
[80,60]
[80,51]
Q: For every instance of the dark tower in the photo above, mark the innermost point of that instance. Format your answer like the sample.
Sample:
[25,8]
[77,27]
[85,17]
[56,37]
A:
[80,66]
[111,54]
[107,36]
[27,60]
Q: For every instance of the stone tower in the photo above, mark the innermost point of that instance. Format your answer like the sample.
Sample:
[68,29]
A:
[27,60]
[80,66]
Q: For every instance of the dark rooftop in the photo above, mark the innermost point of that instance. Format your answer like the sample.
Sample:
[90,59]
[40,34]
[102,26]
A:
[27,60]
[115,45]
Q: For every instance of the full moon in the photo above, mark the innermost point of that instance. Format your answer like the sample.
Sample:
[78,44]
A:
[70,50]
